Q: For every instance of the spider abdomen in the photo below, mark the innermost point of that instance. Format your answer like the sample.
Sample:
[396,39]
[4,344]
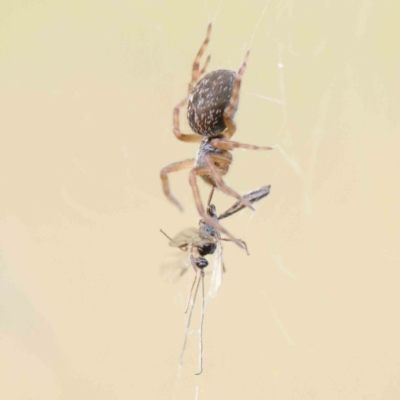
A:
[208,100]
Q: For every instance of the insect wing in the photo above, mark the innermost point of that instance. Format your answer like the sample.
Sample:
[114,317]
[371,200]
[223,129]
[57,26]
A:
[185,238]
[216,275]
[190,237]
[174,266]
[252,197]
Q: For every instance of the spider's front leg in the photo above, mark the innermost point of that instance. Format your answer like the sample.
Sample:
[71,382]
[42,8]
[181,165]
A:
[196,71]
[196,75]
[206,218]
[164,178]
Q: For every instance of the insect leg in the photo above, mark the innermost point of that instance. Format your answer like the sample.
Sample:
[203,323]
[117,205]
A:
[188,324]
[201,324]
[194,282]
[210,196]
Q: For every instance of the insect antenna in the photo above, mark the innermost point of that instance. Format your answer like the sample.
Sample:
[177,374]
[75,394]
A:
[165,235]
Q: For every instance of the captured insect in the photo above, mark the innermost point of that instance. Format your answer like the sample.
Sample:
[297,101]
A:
[212,102]
[201,242]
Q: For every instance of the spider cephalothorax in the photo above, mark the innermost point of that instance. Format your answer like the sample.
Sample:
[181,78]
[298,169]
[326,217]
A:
[212,104]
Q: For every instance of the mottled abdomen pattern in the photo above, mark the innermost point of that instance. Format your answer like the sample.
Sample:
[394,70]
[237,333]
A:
[208,101]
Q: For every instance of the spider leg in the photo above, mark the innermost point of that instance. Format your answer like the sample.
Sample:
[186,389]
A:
[206,218]
[243,242]
[230,145]
[196,72]
[179,135]
[164,178]
[230,125]
[209,160]
[205,66]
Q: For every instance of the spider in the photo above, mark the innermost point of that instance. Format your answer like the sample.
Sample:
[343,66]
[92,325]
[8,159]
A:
[212,104]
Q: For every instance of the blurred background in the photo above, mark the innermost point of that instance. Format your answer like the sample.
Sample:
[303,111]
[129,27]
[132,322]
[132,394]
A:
[87,90]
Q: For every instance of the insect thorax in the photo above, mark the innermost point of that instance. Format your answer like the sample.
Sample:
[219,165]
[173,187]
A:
[208,231]
[208,100]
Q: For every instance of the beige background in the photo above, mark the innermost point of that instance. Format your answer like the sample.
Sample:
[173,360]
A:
[87,90]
